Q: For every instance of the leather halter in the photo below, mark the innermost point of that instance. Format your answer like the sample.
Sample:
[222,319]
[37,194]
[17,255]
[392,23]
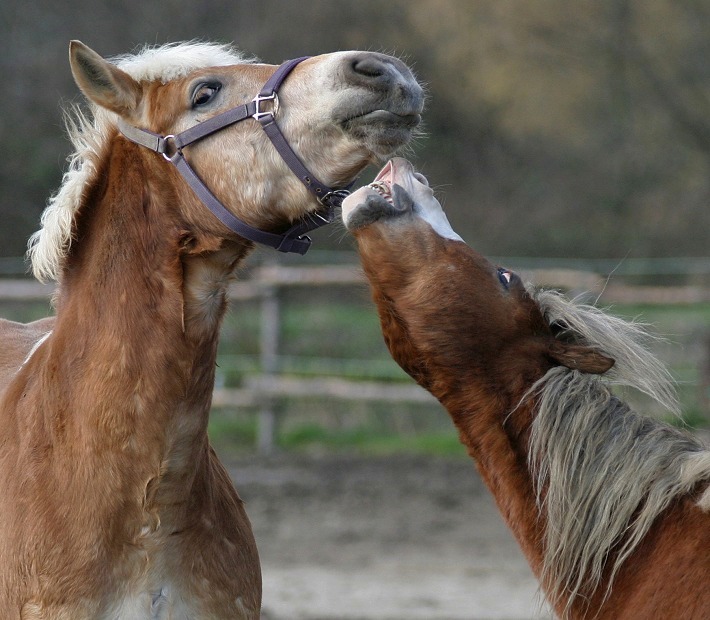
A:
[170,147]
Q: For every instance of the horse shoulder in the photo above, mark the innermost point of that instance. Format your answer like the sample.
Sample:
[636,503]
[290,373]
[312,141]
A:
[668,575]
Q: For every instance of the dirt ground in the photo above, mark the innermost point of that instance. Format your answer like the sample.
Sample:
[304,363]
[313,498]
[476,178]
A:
[391,538]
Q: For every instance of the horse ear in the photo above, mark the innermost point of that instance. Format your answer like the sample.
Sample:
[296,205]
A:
[105,84]
[577,357]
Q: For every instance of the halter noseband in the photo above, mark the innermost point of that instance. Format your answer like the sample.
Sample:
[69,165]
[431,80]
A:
[170,147]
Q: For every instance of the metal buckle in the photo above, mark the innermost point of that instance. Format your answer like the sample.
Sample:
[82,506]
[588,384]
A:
[258,114]
[298,245]
[334,198]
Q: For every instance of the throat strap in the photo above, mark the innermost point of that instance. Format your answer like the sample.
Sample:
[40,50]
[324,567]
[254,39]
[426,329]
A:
[293,240]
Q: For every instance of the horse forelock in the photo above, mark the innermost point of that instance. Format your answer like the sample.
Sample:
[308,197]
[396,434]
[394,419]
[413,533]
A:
[603,472]
[89,131]
[175,60]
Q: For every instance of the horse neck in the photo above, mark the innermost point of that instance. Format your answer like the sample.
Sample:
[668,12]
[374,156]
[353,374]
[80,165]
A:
[493,427]
[138,318]
[497,439]
[494,419]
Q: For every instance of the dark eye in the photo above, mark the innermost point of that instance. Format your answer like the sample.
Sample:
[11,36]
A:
[204,94]
[505,276]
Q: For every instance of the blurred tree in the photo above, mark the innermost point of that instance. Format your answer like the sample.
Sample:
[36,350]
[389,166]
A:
[553,128]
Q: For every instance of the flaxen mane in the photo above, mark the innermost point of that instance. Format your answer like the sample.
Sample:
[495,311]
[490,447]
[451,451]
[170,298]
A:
[89,133]
[604,472]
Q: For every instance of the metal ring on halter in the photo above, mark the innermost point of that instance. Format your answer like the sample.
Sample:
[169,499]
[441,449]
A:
[334,198]
[258,114]
[165,150]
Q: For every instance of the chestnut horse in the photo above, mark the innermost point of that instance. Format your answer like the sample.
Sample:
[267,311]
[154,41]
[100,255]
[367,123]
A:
[113,504]
[611,508]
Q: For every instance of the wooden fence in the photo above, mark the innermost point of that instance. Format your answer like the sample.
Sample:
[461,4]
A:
[264,285]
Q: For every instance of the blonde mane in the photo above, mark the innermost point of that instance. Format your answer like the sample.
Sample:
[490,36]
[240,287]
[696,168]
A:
[603,472]
[90,131]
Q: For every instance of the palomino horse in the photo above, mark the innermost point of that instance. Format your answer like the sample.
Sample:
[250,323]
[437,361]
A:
[611,508]
[113,504]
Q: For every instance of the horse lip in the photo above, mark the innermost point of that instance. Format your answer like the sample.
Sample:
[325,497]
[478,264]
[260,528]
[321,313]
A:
[393,169]
[408,120]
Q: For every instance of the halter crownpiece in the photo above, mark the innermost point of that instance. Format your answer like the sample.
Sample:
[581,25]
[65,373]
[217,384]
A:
[170,147]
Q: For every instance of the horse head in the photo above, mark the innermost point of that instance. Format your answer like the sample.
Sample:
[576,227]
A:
[442,304]
[338,112]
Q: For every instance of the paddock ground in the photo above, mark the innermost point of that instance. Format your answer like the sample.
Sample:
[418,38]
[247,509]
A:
[382,538]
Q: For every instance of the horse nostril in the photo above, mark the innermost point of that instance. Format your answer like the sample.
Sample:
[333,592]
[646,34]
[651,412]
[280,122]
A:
[369,67]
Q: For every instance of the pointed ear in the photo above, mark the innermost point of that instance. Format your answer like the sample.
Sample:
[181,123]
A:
[103,83]
[577,357]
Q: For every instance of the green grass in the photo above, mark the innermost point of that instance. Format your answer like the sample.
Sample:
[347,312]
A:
[369,441]
[236,433]
[24,312]
[665,315]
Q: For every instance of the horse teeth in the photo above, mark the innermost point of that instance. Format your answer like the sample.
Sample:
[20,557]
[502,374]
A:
[383,190]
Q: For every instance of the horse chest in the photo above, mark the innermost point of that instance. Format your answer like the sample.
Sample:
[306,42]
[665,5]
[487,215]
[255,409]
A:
[171,588]
[168,602]
[158,603]
[162,604]
[155,593]
[153,588]
[153,581]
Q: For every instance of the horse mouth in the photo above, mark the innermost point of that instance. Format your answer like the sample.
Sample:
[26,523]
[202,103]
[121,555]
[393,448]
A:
[383,182]
[392,173]
[382,131]
[386,116]
[384,198]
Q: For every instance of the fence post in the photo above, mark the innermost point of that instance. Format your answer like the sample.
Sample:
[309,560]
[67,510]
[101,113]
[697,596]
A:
[269,349]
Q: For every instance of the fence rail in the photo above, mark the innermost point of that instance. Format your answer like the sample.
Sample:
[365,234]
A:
[264,278]
[264,284]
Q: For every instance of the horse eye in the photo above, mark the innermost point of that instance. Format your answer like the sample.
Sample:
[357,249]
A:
[505,277]
[204,94]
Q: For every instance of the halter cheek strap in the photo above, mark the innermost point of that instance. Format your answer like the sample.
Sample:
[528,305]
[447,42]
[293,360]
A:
[170,147]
